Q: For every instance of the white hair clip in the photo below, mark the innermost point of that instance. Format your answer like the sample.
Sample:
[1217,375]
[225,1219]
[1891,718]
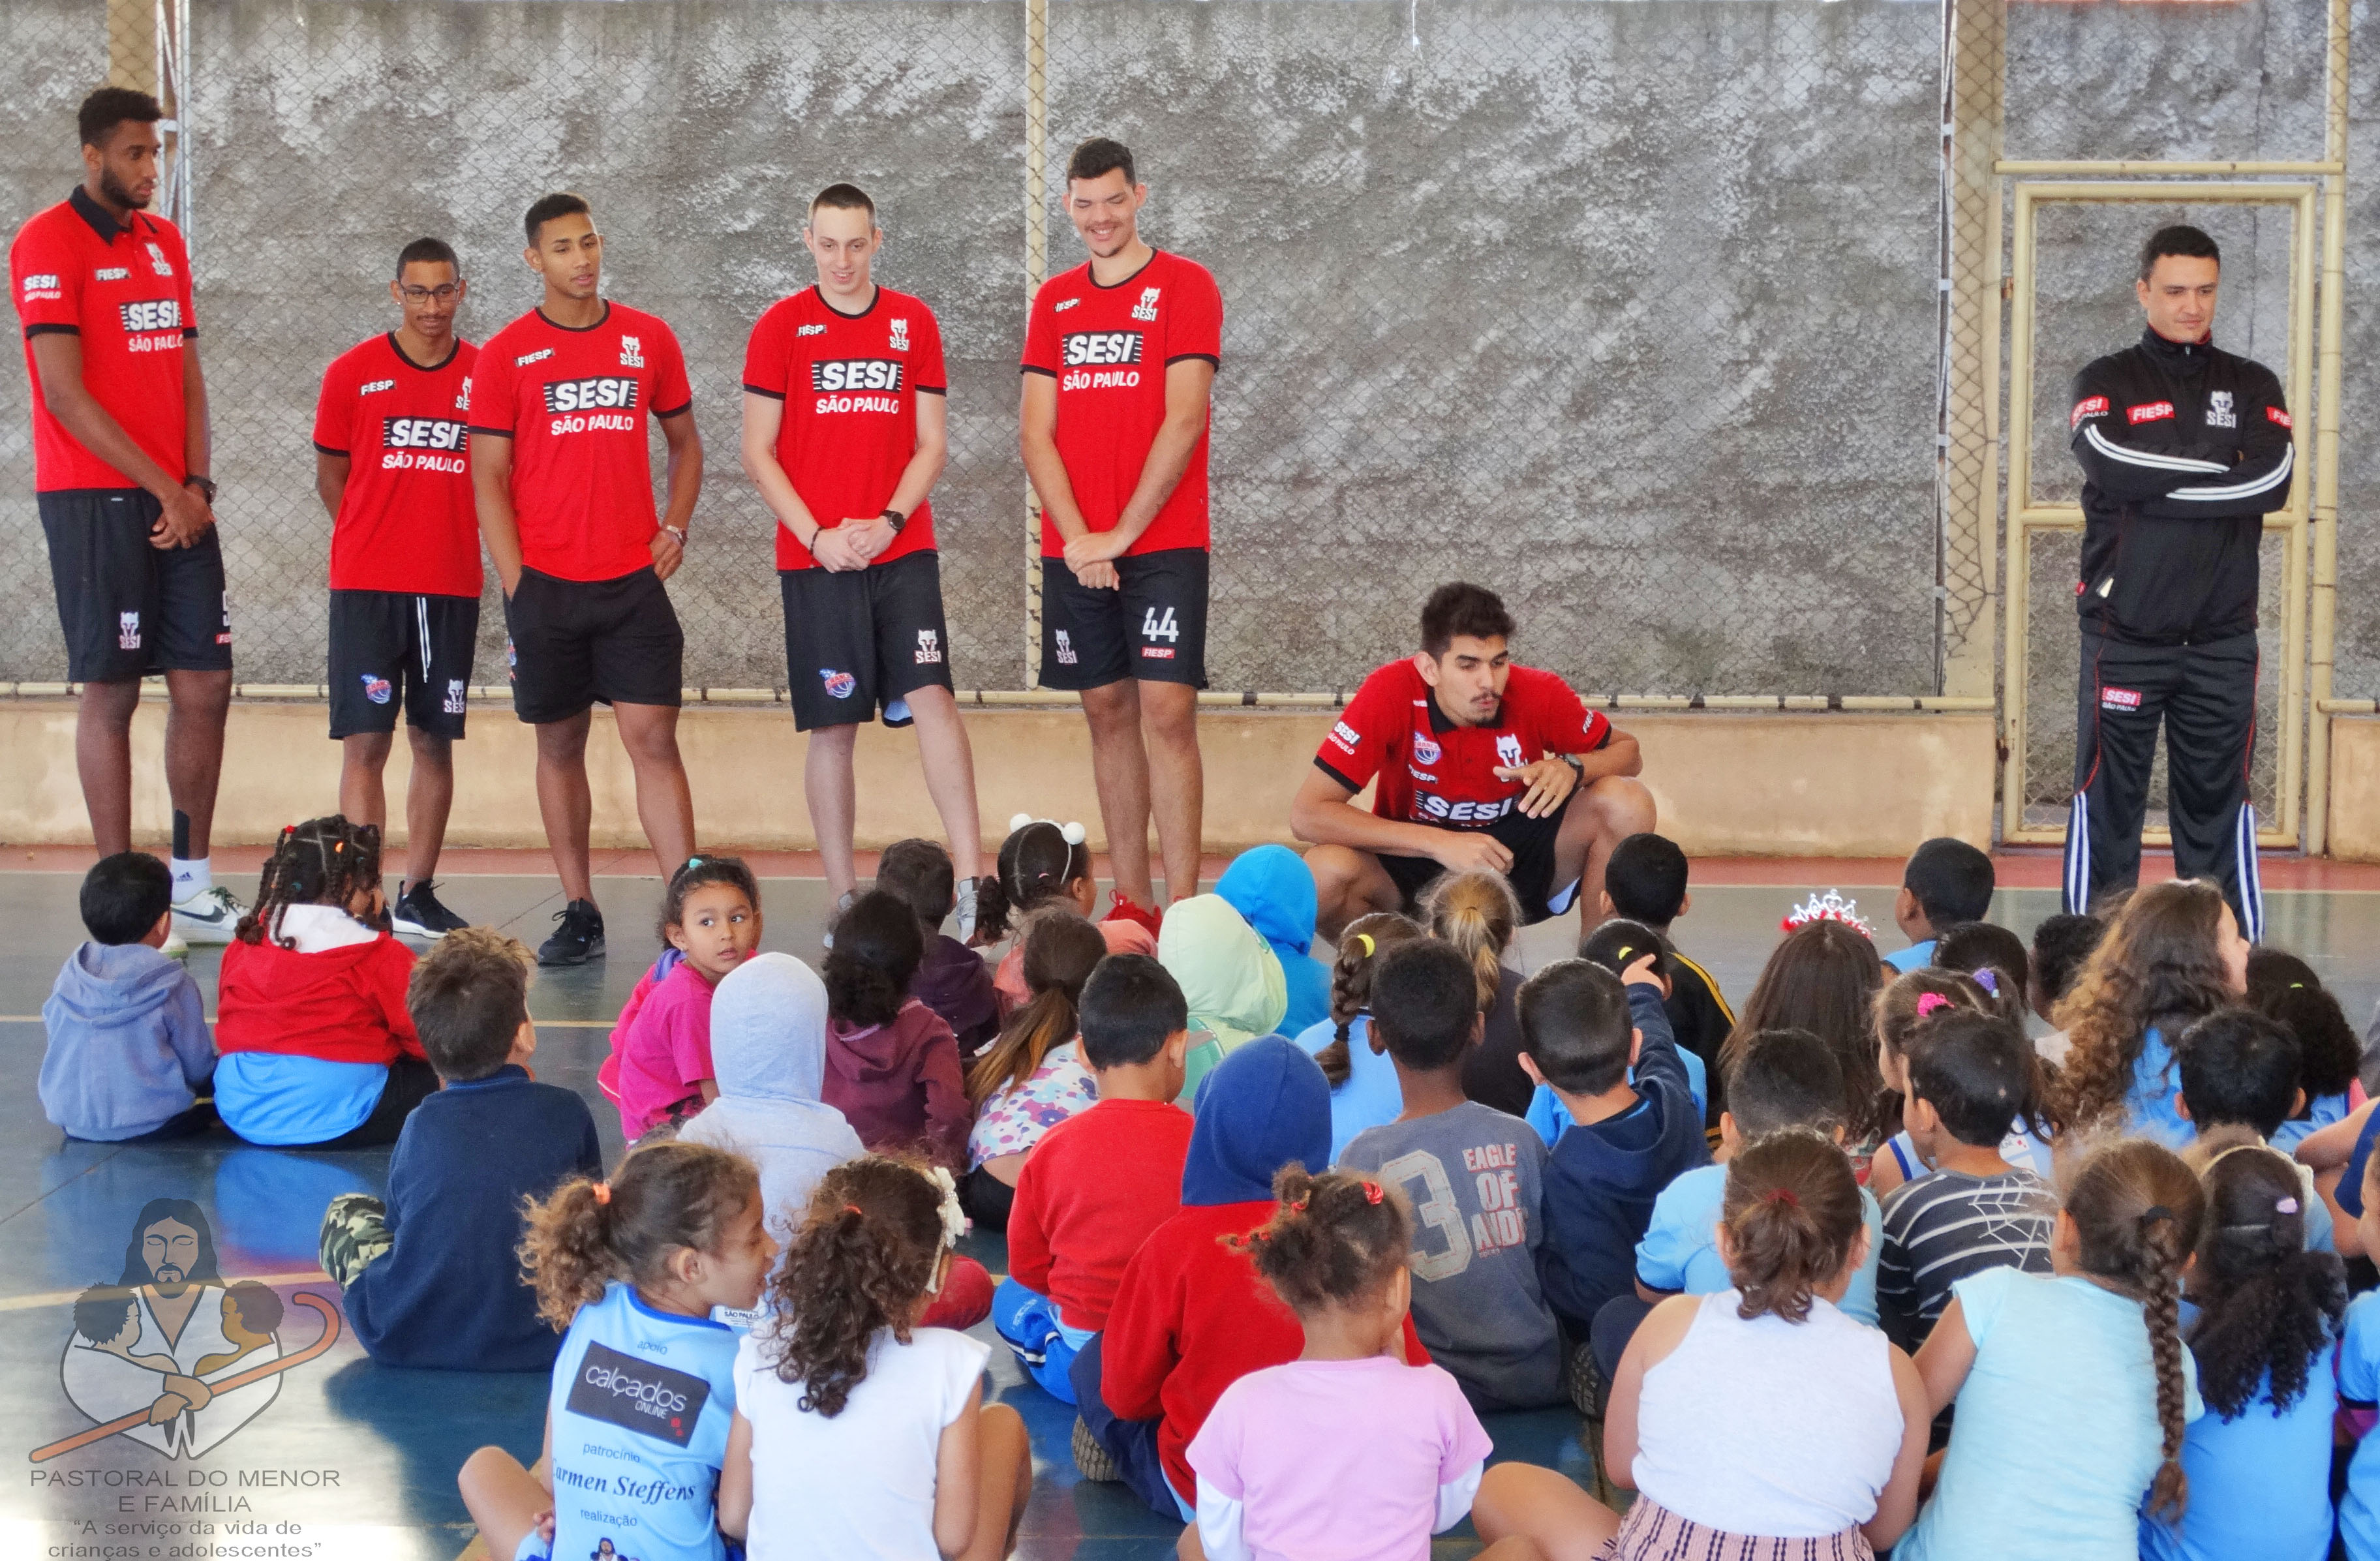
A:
[1072,833]
[954,1220]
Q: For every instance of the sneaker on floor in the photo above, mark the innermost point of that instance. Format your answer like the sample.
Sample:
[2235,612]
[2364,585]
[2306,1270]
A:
[579,937]
[841,904]
[209,916]
[1091,1458]
[176,946]
[418,912]
[1124,909]
[964,907]
[1585,1381]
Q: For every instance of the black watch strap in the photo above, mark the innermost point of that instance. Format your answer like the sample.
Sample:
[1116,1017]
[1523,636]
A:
[897,519]
[206,485]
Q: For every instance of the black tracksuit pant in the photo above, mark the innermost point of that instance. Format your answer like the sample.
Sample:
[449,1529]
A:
[2205,696]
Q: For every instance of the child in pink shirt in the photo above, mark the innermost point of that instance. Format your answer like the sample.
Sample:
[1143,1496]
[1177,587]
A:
[660,1068]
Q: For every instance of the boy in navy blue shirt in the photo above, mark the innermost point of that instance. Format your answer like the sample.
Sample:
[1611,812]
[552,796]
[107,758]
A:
[431,1276]
[1583,1030]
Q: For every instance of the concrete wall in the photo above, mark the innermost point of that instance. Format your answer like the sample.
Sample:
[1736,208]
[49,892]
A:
[1833,784]
[2355,788]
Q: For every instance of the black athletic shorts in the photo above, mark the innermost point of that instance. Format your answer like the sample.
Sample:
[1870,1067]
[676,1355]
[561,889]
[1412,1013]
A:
[128,608]
[1153,627]
[385,644]
[1531,841]
[575,642]
[859,639]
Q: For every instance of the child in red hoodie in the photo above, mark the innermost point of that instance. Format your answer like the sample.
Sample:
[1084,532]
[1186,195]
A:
[1192,1316]
[1095,1185]
[318,1051]
[891,1063]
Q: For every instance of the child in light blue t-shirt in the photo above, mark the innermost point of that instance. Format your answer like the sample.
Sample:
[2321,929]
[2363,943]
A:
[2266,1343]
[644,1391]
[2358,1389]
[2061,1445]
[1363,1089]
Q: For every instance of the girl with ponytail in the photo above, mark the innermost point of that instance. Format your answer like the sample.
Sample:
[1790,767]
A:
[1478,914]
[858,1431]
[1364,1088]
[633,1268]
[2266,1345]
[1032,1078]
[2074,1391]
[1044,866]
[1759,1419]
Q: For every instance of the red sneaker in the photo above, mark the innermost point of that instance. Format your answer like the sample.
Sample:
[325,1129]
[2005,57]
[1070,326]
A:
[1124,909]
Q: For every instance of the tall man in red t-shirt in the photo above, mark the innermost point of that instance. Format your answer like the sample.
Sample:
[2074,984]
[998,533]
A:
[120,455]
[1477,763]
[1119,355]
[562,465]
[845,432]
[391,465]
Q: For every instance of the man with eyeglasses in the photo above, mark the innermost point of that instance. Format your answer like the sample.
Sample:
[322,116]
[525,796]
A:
[392,463]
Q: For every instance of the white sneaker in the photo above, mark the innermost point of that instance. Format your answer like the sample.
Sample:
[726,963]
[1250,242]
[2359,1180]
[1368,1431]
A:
[209,916]
[964,908]
[176,946]
[841,904]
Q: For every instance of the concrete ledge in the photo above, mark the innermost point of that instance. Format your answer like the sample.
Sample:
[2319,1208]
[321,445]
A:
[1742,783]
[2354,788]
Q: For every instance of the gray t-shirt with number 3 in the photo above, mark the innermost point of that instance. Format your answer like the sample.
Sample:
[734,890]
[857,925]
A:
[1475,1177]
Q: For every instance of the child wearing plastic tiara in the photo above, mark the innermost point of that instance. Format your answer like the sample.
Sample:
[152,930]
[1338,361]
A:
[1822,978]
[633,1267]
[660,1070]
[1345,1450]
[1043,863]
[1364,1092]
[859,1430]
[318,1051]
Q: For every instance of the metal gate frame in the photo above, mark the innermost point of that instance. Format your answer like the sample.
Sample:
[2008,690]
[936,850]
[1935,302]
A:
[2026,518]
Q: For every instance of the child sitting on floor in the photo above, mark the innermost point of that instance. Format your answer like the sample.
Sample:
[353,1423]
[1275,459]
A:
[952,979]
[2074,1391]
[1033,1077]
[2358,1384]
[318,1051]
[1994,957]
[660,1070]
[1646,881]
[1477,1301]
[1043,864]
[2284,987]
[892,1063]
[1758,1420]
[1271,885]
[2239,1073]
[1346,1450]
[1583,1030]
[1477,915]
[432,1275]
[1098,1182]
[1922,995]
[1363,1081]
[2265,1341]
[1617,945]
[1970,1074]
[1947,881]
[1230,978]
[128,1051]
[633,1267]
[860,1427]
[1823,978]
[2061,946]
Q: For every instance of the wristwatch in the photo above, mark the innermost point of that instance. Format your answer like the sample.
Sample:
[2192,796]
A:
[679,533]
[206,485]
[895,519]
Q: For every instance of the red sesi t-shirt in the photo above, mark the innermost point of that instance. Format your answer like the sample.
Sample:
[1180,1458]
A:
[574,403]
[850,383]
[1432,772]
[126,293]
[406,521]
[1109,348]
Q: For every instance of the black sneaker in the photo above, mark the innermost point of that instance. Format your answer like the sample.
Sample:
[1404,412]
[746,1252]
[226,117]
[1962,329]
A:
[1585,1382]
[418,914]
[579,937]
[1091,1461]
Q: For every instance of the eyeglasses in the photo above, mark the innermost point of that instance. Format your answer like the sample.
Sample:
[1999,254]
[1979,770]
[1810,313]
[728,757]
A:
[423,294]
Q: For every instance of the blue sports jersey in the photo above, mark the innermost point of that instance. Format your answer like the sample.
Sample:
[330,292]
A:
[641,1404]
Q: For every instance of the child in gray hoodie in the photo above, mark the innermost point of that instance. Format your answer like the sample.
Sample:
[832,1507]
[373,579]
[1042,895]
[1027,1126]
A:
[128,1051]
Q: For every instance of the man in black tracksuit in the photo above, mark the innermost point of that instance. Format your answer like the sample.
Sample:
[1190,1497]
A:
[2184,449]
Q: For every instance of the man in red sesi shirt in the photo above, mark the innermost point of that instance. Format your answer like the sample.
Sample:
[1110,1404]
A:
[391,465]
[1119,355]
[563,471]
[1479,763]
[120,450]
[845,432]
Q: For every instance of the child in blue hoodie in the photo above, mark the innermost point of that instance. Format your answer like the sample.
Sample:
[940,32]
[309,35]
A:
[128,1052]
[1583,1030]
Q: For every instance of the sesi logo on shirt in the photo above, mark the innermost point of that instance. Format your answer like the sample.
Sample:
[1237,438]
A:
[599,393]
[856,374]
[423,433]
[1082,347]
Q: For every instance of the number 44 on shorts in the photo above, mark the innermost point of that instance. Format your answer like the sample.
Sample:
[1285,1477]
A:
[1154,628]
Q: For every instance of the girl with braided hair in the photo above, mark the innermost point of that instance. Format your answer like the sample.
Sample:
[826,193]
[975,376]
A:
[318,1050]
[2266,1343]
[2074,1391]
[858,1429]
[1364,1088]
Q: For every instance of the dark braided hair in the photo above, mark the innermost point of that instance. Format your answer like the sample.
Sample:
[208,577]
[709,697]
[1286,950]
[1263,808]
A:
[1334,1239]
[2137,1211]
[868,1248]
[321,862]
[1351,982]
[2266,1304]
